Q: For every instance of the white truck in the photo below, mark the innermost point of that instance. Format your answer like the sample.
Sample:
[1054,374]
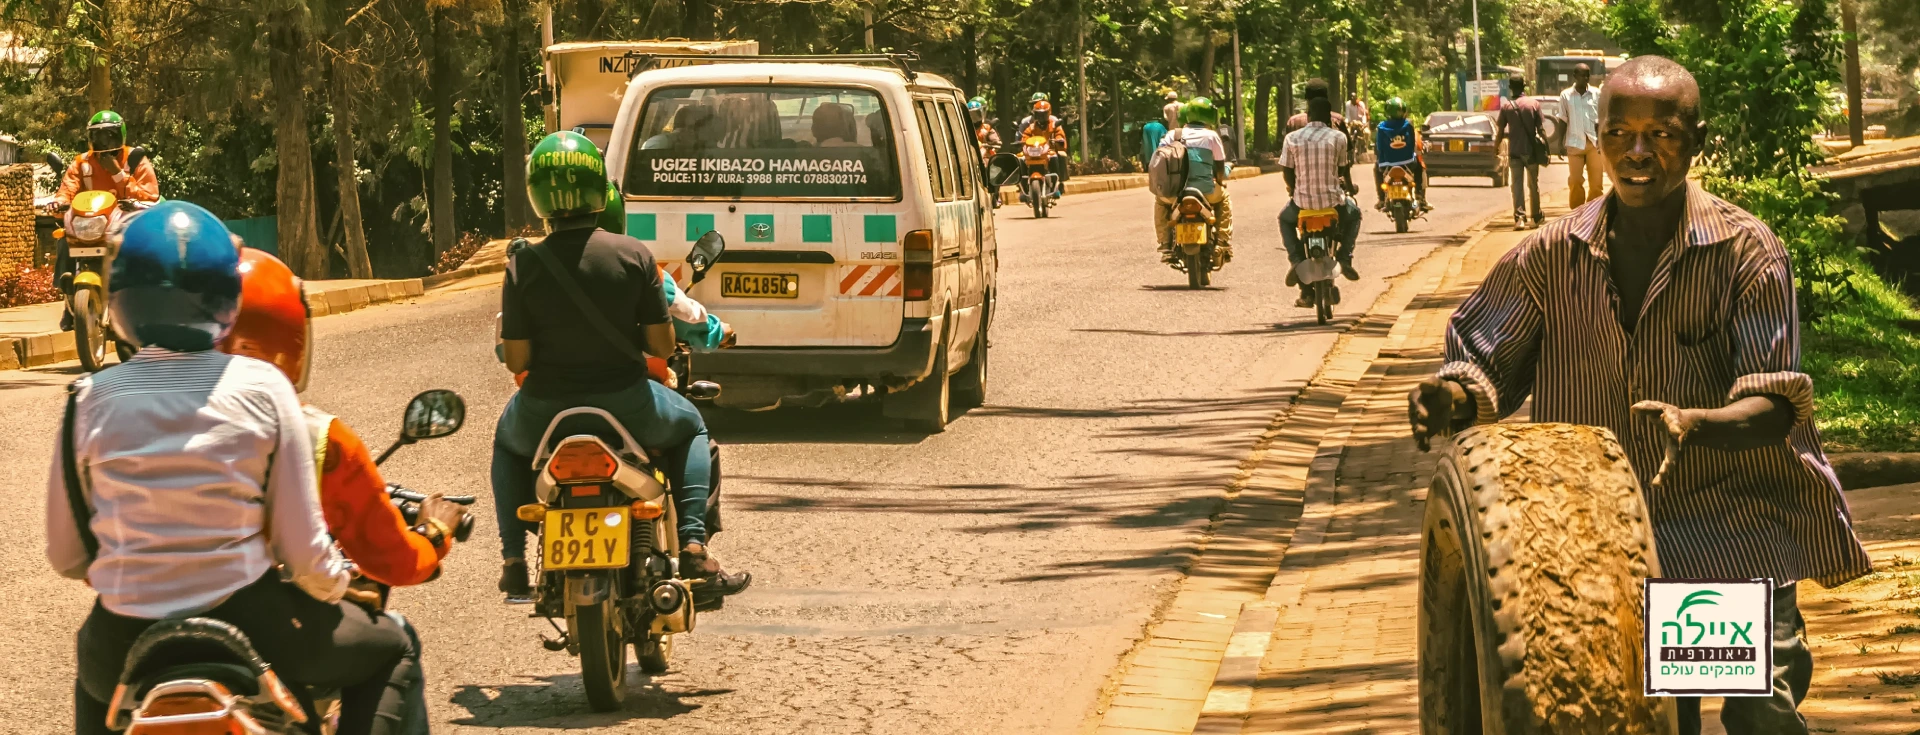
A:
[587,80]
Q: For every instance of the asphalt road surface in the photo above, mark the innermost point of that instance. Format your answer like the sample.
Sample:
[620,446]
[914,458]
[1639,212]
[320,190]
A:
[982,580]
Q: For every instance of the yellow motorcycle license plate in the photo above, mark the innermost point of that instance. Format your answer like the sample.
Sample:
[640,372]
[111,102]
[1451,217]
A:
[1190,233]
[586,538]
[1397,191]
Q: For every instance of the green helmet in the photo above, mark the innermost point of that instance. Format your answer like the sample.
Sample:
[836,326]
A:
[1395,107]
[106,131]
[1037,96]
[566,177]
[1199,110]
[614,218]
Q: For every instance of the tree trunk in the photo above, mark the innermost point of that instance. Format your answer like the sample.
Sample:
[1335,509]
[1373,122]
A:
[296,226]
[513,134]
[441,206]
[1263,110]
[1080,85]
[1330,71]
[970,74]
[1286,101]
[1446,84]
[1856,114]
[354,244]
[1204,83]
[1353,71]
[100,77]
[1003,90]
[699,20]
[1120,152]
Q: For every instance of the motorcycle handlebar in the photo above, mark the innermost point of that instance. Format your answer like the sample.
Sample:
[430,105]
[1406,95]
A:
[408,503]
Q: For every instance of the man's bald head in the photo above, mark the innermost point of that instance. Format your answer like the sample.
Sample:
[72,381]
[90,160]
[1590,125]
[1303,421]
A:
[1655,77]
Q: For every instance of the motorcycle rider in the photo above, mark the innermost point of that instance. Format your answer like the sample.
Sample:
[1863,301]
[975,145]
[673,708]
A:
[1396,142]
[569,363]
[1206,171]
[1043,124]
[1317,164]
[1316,89]
[171,469]
[273,325]
[104,167]
[1033,104]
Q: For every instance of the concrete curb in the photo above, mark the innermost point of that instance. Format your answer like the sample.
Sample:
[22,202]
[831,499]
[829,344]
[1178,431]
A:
[1195,666]
[54,347]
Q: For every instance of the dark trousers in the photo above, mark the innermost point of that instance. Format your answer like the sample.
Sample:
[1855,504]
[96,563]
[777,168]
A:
[1525,180]
[340,647]
[1792,674]
[1349,231]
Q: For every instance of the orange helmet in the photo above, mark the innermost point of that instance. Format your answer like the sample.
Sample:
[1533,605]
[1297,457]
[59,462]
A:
[273,323]
[1043,106]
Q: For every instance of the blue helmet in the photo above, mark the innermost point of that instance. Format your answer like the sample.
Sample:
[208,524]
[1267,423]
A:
[176,278]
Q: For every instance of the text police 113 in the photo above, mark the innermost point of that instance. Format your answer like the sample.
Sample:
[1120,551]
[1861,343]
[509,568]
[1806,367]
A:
[1708,637]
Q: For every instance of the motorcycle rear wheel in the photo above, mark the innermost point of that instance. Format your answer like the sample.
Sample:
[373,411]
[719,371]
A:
[1197,265]
[1400,216]
[603,654]
[89,330]
[1323,301]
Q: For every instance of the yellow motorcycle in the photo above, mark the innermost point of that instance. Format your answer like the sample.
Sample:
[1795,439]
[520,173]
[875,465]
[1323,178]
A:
[88,222]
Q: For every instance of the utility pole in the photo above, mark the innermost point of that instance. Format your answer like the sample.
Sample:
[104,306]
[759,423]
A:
[1080,50]
[1476,41]
[866,17]
[1239,100]
[1856,113]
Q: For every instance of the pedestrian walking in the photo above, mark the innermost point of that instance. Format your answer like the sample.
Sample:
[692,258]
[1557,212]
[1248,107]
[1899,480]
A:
[1667,316]
[1150,136]
[1519,126]
[1170,112]
[1580,105]
[1357,112]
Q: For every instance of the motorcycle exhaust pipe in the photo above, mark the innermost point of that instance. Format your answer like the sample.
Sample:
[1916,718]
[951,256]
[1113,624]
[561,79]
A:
[672,603]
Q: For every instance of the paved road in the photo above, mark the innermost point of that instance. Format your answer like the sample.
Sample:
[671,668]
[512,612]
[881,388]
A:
[985,579]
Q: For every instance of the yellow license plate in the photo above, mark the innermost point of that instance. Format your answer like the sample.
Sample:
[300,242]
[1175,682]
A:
[1456,146]
[1396,191]
[1190,233]
[760,285]
[586,538]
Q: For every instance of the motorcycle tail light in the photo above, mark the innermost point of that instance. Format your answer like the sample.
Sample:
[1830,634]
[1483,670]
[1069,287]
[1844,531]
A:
[647,510]
[916,269]
[583,491]
[583,460]
[1189,206]
[1480,147]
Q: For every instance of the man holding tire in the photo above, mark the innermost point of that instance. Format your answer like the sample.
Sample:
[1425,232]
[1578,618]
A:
[1667,316]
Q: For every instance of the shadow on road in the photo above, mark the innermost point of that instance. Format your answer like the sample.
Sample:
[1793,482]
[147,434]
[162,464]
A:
[856,422]
[1178,287]
[559,702]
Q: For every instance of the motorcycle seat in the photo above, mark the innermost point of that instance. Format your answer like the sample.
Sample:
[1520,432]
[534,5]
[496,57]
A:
[206,645]
[584,423]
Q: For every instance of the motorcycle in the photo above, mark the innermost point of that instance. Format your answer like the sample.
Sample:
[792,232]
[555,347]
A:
[608,536]
[1194,236]
[87,223]
[1319,235]
[1041,181]
[1400,204]
[194,676]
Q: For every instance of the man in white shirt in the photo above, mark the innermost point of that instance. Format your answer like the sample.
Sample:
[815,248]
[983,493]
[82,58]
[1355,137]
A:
[171,469]
[1580,104]
[1207,172]
[1357,110]
[1171,110]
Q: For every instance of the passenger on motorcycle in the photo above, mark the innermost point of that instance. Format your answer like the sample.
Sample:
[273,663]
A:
[173,467]
[693,325]
[1043,124]
[1206,171]
[273,325]
[570,364]
[1317,165]
[1396,142]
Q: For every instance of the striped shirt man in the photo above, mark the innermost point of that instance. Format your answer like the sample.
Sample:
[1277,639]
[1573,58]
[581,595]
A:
[1719,324]
[1316,154]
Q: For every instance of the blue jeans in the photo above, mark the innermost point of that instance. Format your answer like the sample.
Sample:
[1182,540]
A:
[658,418]
[1349,231]
[1792,675]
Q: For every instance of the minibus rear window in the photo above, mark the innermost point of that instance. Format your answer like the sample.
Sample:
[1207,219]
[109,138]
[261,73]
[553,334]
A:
[763,142]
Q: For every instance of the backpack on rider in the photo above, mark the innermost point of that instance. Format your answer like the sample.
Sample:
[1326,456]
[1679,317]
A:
[1167,171]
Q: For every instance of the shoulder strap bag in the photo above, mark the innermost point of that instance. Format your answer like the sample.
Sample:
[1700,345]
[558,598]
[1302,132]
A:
[587,309]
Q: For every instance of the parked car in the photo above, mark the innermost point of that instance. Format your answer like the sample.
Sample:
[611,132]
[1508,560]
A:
[1461,144]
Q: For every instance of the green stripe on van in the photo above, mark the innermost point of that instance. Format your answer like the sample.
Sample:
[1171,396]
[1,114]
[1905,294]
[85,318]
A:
[642,226]
[697,225]
[881,228]
[816,228]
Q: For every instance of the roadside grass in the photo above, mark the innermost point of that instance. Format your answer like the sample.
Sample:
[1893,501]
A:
[1865,364]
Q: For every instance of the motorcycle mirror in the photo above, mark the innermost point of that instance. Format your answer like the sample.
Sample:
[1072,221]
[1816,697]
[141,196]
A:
[514,245]
[433,414]
[58,164]
[706,251]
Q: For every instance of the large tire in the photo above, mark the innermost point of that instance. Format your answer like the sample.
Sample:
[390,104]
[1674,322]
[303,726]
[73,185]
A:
[1196,271]
[603,655]
[1534,546]
[1323,301]
[1400,216]
[927,405]
[1206,261]
[970,384]
[89,330]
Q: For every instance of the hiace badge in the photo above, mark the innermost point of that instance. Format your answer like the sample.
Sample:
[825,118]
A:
[1709,637]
